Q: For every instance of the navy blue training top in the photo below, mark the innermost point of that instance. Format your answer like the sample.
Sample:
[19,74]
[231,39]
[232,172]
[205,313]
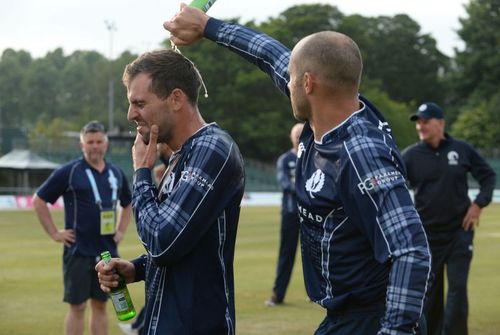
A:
[188,229]
[81,213]
[285,167]
[363,244]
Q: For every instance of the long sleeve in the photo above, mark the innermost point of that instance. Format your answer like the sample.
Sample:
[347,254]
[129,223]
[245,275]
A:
[379,203]
[171,228]
[485,176]
[269,55]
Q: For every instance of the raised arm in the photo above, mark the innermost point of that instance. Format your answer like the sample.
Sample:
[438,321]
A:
[189,25]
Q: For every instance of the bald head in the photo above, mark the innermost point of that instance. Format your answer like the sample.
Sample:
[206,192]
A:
[295,134]
[333,57]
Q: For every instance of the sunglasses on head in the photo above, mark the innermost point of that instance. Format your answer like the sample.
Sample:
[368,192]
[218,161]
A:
[93,127]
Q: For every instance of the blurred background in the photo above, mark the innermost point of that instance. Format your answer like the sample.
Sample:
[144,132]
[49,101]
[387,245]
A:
[46,95]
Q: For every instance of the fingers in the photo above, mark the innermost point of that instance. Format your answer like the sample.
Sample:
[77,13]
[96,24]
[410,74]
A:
[107,276]
[153,137]
[144,149]
[470,224]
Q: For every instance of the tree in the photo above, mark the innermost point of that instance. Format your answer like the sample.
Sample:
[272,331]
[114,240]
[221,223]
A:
[476,77]
[13,69]
[406,62]
[478,122]
[478,65]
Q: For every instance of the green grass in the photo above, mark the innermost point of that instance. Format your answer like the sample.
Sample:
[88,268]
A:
[31,278]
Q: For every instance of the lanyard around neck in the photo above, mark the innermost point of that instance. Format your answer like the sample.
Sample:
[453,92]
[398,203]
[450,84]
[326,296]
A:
[113,183]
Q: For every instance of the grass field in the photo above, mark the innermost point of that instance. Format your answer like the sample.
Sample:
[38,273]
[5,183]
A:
[31,278]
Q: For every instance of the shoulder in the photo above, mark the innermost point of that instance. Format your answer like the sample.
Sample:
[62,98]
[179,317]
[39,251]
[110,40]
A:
[460,143]
[213,138]
[212,146]
[68,167]
[288,155]
[363,135]
[409,150]
[114,168]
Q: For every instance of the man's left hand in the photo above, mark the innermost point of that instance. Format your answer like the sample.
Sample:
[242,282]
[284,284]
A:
[471,219]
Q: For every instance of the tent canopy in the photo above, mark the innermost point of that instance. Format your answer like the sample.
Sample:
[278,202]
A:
[25,160]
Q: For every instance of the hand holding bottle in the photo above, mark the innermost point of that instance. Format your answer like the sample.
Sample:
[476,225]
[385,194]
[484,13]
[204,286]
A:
[113,275]
[109,273]
[187,26]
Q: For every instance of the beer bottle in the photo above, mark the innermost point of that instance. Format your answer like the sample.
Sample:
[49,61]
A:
[120,296]
[204,5]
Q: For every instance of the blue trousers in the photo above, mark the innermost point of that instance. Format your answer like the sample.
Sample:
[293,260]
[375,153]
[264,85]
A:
[289,238]
[451,252]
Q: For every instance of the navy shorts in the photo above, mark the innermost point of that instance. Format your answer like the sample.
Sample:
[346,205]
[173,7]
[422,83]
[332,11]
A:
[80,279]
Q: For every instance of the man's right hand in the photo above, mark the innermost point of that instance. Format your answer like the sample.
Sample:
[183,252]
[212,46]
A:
[187,26]
[108,273]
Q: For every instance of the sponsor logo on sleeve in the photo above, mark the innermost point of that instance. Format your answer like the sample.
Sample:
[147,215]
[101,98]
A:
[197,179]
[376,181]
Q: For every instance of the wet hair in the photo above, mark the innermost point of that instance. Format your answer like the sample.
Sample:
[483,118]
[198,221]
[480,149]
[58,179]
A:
[168,70]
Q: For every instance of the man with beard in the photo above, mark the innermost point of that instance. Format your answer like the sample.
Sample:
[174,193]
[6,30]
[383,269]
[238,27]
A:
[188,224]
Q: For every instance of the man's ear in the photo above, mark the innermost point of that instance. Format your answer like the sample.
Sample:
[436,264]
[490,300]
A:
[308,82]
[178,98]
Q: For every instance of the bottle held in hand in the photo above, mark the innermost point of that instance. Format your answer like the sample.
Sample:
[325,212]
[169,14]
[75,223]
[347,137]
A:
[204,5]
[120,295]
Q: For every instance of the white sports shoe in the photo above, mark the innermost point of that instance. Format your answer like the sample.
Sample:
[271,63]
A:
[126,328]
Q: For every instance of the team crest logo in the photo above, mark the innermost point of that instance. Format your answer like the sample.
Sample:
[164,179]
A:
[452,158]
[384,126]
[315,183]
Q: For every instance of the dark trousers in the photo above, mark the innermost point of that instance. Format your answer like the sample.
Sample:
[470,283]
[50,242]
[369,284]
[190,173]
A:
[360,323]
[453,252]
[138,323]
[288,246]
[363,324]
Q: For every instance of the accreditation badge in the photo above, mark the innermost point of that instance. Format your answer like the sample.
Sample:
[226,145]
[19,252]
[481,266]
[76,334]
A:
[108,222]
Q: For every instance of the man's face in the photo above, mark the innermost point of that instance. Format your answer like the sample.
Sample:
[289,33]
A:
[300,106]
[147,109]
[429,130]
[94,146]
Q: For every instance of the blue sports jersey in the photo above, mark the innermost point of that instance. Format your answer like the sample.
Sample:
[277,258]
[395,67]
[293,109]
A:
[362,241]
[285,167]
[81,212]
[189,231]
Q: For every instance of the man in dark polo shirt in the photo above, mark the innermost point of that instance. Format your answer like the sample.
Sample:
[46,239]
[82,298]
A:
[437,169]
[91,189]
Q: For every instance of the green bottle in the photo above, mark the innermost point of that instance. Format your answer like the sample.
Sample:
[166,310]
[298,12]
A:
[204,5]
[120,296]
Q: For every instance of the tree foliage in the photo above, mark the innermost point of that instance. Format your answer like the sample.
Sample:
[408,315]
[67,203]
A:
[475,81]
[403,67]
